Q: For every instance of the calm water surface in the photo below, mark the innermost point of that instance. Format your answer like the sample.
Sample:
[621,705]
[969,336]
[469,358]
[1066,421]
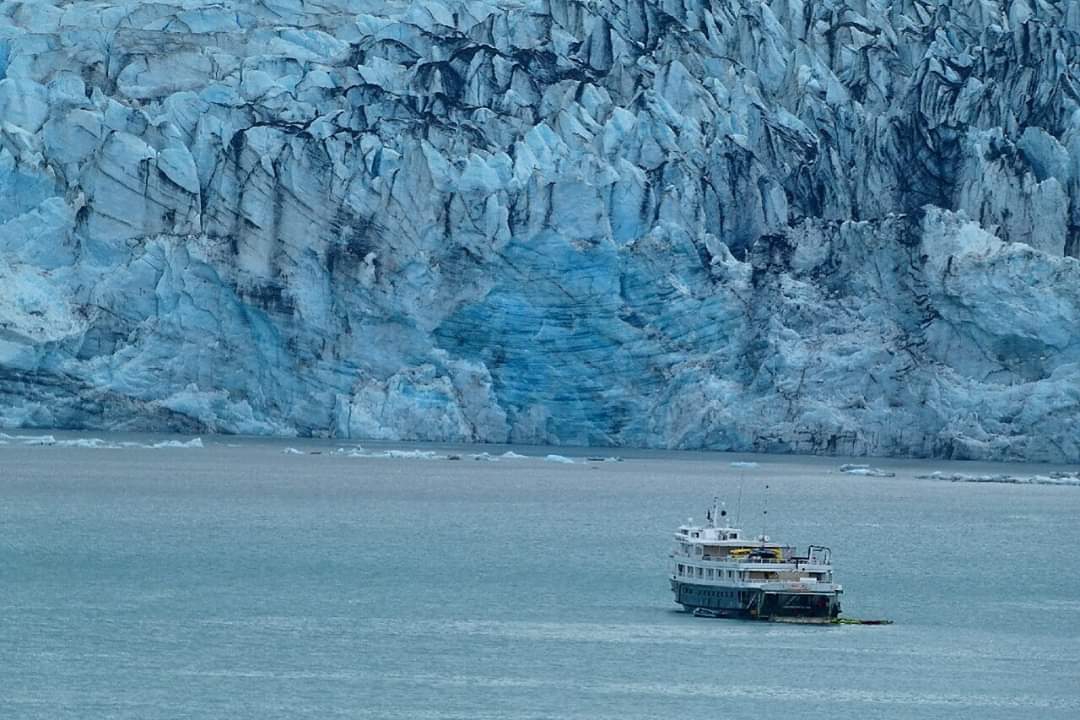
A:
[235,581]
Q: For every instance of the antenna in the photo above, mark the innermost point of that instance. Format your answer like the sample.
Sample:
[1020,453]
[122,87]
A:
[738,511]
[764,513]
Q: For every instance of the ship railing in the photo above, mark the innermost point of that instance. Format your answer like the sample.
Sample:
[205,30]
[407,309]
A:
[790,560]
[815,555]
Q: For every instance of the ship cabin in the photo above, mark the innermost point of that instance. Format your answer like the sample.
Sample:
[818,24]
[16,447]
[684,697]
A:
[726,556]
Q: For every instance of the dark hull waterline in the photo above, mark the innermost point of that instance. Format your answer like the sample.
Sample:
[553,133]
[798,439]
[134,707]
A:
[756,603]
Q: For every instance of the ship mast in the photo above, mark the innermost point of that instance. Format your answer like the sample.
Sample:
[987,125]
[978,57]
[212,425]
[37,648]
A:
[738,510]
[764,514]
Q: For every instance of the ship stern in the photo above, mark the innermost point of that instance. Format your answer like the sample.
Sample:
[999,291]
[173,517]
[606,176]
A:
[800,606]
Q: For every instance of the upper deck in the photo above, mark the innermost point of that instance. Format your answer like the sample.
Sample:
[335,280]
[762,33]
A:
[716,542]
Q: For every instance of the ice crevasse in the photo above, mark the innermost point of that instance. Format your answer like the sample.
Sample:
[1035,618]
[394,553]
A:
[835,226]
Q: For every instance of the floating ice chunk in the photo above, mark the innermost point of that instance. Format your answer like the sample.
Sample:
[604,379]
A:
[292,451]
[852,469]
[411,454]
[193,443]
[511,455]
[559,459]
[359,452]
[1054,478]
[350,452]
[96,443]
[743,464]
[90,443]
[29,439]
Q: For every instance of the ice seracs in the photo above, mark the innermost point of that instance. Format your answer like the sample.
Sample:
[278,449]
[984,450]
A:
[753,225]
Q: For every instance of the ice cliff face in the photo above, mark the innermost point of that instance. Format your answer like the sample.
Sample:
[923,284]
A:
[787,225]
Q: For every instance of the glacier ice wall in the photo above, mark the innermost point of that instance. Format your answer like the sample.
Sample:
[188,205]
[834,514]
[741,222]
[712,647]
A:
[843,226]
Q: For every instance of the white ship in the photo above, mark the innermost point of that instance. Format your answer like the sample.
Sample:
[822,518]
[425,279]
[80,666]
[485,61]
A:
[717,571]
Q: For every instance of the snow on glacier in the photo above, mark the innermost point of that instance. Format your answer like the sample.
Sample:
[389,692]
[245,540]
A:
[847,226]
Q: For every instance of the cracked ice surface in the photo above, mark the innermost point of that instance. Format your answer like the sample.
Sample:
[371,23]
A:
[834,226]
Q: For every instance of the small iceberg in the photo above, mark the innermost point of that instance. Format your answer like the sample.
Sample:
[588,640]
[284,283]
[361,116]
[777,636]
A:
[866,470]
[348,452]
[743,464]
[91,443]
[95,443]
[193,443]
[559,459]
[29,439]
[411,454]
[1054,478]
[292,451]
[359,452]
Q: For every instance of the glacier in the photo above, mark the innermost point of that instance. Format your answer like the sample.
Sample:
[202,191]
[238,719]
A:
[823,226]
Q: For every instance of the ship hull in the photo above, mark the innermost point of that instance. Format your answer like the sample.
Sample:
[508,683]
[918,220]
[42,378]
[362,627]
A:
[777,604]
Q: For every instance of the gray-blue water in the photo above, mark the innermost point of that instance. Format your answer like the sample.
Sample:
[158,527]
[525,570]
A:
[241,582]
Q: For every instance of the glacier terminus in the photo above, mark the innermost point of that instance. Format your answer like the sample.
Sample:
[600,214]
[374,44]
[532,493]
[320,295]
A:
[825,226]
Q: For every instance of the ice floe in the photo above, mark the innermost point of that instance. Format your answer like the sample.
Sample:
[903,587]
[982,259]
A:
[559,459]
[1053,478]
[96,443]
[359,452]
[854,469]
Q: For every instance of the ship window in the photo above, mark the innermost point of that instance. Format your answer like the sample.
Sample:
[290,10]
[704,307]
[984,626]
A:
[700,572]
[709,574]
[734,536]
[680,568]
